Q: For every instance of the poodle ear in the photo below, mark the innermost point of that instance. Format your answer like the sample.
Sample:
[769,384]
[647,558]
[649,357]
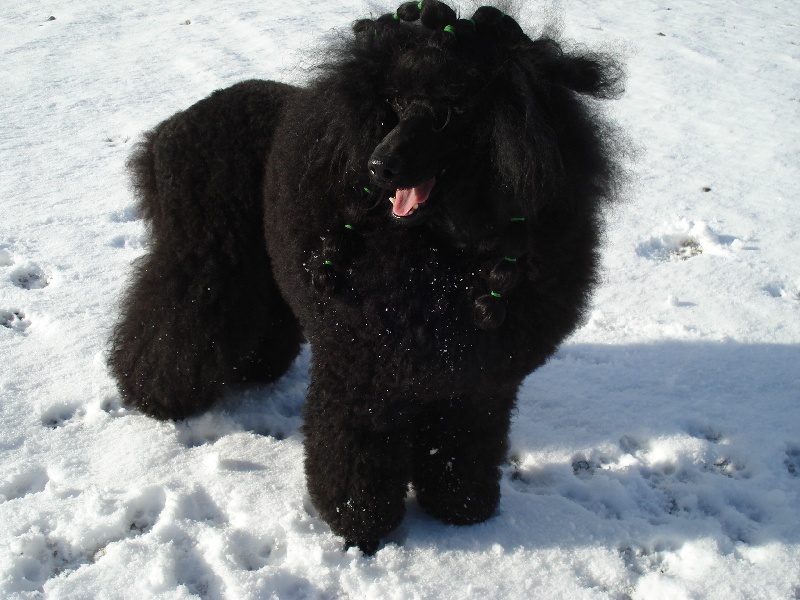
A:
[362,25]
[590,74]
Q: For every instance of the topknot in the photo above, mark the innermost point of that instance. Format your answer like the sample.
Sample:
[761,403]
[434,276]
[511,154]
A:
[409,11]
[436,15]
[445,25]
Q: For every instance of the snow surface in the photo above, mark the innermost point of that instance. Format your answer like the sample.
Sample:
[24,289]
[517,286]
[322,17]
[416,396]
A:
[657,455]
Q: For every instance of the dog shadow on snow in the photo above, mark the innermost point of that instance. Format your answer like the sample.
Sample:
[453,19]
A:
[642,446]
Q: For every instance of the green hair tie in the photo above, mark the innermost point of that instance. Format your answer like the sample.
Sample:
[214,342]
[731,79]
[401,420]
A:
[419,6]
[450,29]
[517,219]
[366,189]
[509,259]
[348,226]
[328,263]
[396,18]
[495,294]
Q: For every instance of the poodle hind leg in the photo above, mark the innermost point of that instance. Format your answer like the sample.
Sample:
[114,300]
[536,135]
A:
[458,448]
[167,364]
[203,310]
[191,327]
[279,346]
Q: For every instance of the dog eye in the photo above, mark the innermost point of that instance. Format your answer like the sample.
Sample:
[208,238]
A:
[399,105]
[442,118]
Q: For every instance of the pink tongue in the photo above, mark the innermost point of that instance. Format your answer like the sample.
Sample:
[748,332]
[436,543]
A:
[406,200]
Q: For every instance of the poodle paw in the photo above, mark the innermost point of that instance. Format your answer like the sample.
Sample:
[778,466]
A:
[367,546]
[460,508]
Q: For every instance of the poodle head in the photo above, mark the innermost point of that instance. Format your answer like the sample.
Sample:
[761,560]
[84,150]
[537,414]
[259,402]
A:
[462,119]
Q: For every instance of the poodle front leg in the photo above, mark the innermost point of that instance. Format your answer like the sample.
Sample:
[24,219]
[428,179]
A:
[458,447]
[357,471]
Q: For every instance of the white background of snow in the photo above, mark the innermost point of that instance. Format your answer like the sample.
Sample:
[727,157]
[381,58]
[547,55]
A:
[656,456]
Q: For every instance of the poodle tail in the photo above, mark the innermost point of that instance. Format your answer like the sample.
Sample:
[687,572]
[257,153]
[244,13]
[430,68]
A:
[203,310]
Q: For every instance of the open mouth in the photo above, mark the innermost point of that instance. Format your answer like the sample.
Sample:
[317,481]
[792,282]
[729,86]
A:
[406,202]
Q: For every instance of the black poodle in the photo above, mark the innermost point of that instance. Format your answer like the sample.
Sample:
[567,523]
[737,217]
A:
[431,209]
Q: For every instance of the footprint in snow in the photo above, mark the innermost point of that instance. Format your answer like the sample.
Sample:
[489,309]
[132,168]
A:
[632,445]
[116,140]
[730,467]
[583,468]
[59,415]
[704,431]
[204,429]
[38,557]
[30,277]
[724,463]
[792,460]
[40,554]
[127,214]
[112,406]
[133,241]
[14,319]
[250,552]
[516,473]
[778,289]
[32,481]
[641,560]
[6,259]
[143,511]
[686,239]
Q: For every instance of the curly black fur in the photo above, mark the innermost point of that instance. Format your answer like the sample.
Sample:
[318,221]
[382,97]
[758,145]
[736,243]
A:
[424,315]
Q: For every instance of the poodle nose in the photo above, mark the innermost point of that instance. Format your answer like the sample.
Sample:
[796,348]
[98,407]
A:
[384,169]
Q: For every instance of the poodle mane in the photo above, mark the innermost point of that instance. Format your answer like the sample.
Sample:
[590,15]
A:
[532,135]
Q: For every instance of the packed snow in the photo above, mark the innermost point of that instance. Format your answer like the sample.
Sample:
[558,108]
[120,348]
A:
[657,455]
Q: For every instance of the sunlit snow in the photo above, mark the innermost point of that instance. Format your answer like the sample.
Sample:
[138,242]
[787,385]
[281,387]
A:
[657,455]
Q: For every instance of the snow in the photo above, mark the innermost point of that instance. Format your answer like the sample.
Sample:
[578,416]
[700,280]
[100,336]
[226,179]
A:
[657,455]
